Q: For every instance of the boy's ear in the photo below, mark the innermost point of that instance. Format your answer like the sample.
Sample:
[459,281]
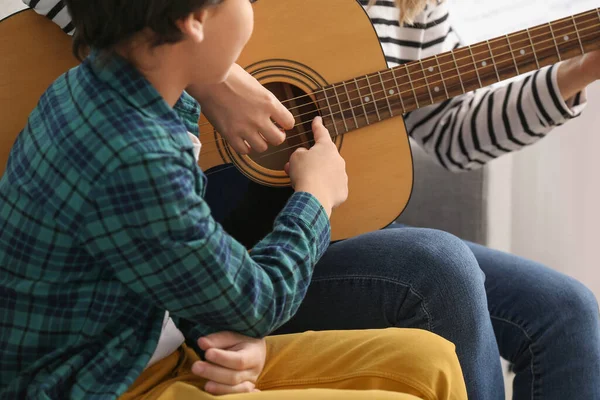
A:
[192,26]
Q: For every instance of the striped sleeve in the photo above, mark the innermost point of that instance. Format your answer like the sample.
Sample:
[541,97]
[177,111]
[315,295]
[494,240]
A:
[467,131]
[56,10]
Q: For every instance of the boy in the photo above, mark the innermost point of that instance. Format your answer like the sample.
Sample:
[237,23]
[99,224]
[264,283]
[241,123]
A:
[104,229]
[512,310]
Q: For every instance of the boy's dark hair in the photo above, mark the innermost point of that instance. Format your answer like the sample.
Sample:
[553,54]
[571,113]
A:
[102,24]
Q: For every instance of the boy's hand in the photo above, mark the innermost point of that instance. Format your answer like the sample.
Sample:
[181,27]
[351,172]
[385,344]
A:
[320,171]
[242,109]
[234,362]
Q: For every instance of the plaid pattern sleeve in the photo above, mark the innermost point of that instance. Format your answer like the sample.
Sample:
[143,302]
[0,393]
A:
[104,228]
[150,224]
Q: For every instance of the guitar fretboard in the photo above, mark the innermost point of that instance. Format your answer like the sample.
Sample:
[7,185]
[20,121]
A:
[365,100]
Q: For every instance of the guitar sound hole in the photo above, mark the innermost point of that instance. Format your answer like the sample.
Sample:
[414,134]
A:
[304,111]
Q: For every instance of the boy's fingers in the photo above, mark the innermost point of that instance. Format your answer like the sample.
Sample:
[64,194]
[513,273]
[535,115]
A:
[221,340]
[320,133]
[221,375]
[236,360]
[299,150]
[220,389]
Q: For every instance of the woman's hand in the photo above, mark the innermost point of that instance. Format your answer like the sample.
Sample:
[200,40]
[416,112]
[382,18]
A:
[243,111]
[234,362]
[575,74]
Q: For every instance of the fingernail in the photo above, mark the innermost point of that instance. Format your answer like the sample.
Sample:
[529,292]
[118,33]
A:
[199,368]
[204,341]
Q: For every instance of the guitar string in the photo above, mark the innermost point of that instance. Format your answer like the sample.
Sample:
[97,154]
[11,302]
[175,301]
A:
[385,98]
[392,97]
[476,69]
[272,153]
[527,40]
[498,39]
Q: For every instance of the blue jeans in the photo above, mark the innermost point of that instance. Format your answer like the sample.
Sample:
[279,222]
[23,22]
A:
[488,303]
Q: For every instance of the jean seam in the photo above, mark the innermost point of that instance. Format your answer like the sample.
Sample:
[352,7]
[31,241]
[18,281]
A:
[535,379]
[388,280]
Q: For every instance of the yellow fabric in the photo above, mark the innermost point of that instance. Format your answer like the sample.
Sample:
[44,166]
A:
[399,364]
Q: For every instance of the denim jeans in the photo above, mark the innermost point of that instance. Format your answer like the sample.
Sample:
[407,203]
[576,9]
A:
[488,303]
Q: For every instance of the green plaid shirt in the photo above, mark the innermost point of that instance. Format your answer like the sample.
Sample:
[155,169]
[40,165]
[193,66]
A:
[104,227]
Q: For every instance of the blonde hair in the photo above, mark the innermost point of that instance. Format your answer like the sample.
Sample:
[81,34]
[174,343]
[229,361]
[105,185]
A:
[409,9]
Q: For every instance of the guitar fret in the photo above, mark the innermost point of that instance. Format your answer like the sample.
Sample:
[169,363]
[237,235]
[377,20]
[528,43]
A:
[555,42]
[537,63]
[512,53]
[493,60]
[412,86]
[387,99]
[331,114]
[426,81]
[362,102]
[470,66]
[350,104]
[373,98]
[458,72]
[475,65]
[341,109]
[437,60]
[399,91]
[577,33]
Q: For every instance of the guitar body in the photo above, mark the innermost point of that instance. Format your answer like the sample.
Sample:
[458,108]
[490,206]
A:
[33,53]
[298,47]
[309,44]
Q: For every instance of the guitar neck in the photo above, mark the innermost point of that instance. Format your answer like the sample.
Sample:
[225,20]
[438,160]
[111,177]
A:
[365,100]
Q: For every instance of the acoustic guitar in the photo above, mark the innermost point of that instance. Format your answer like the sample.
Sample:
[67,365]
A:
[327,63]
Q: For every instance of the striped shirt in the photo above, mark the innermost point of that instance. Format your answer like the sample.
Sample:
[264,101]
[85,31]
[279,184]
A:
[467,131]
[104,228]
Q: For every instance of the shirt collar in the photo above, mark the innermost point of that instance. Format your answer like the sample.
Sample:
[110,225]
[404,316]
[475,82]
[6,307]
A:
[129,83]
